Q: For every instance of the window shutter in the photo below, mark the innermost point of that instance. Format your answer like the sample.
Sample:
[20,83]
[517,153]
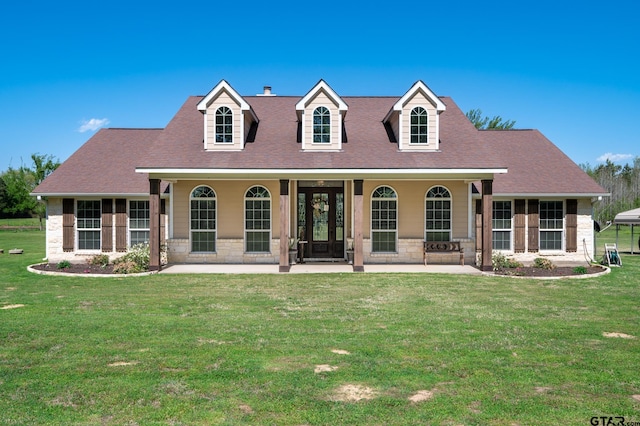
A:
[163,216]
[68,222]
[572,226]
[534,225]
[519,225]
[107,225]
[121,224]
[478,225]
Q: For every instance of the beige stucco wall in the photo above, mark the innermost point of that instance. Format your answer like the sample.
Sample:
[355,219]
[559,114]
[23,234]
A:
[418,99]
[322,99]
[224,99]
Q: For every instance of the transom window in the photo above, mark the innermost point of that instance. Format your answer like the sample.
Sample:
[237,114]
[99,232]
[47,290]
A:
[501,225]
[321,125]
[438,214]
[89,224]
[419,126]
[257,220]
[551,225]
[138,222]
[384,220]
[224,125]
[203,219]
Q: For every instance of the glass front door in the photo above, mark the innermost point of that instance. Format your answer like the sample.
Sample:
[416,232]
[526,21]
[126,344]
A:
[321,221]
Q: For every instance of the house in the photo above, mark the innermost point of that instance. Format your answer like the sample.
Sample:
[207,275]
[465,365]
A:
[235,179]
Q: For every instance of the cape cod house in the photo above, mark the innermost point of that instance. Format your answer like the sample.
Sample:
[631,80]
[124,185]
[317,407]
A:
[235,179]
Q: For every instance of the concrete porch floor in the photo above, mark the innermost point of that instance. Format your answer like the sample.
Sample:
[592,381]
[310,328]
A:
[315,268]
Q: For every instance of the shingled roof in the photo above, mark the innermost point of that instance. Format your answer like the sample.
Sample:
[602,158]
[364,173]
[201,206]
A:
[106,163]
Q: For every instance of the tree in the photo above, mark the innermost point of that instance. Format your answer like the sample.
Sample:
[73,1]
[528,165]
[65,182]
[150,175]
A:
[17,185]
[480,122]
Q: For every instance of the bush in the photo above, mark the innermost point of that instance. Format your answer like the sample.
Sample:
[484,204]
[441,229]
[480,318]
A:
[99,260]
[542,263]
[580,270]
[64,264]
[136,260]
[501,262]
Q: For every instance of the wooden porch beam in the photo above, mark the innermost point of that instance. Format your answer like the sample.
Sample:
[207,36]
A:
[487,225]
[284,226]
[154,225]
[358,204]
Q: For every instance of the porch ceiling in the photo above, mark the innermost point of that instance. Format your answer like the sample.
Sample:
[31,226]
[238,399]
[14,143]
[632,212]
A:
[328,174]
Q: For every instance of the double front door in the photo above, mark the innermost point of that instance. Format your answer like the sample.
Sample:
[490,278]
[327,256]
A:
[321,222]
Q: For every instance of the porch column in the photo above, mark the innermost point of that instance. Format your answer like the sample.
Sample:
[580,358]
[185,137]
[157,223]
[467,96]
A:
[358,255]
[487,225]
[284,226]
[154,224]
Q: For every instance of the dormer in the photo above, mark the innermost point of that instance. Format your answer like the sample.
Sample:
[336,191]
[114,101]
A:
[321,115]
[228,119]
[415,119]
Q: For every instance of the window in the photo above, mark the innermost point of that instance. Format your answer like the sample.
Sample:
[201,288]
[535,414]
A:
[224,125]
[501,225]
[89,224]
[203,219]
[419,126]
[138,222]
[257,220]
[438,214]
[321,125]
[384,222]
[551,225]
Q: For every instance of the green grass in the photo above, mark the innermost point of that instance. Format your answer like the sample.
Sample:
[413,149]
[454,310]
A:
[32,222]
[241,349]
[623,239]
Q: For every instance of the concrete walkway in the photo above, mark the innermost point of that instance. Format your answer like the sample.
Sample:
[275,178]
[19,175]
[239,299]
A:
[315,268]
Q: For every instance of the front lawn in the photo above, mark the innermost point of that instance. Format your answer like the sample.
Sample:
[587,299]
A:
[374,349]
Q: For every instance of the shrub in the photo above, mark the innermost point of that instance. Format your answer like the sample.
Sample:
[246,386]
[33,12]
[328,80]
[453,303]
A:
[63,264]
[136,260]
[99,260]
[580,270]
[542,263]
[501,262]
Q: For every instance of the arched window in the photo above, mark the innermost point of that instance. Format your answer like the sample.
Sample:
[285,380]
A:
[224,125]
[257,220]
[419,126]
[203,219]
[384,220]
[321,125]
[438,214]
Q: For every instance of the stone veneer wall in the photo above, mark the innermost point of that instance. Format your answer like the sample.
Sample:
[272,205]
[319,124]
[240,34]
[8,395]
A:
[230,251]
[410,251]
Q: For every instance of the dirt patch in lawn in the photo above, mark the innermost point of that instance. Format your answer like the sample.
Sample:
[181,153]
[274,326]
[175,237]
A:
[618,335]
[421,396]
[12,306]
[353,393]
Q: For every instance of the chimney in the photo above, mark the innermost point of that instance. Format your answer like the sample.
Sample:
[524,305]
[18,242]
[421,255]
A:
[267,92]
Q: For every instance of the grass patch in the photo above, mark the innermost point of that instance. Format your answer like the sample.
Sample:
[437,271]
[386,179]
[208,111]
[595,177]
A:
[391,349]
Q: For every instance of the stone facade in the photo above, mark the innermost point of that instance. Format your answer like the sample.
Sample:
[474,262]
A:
[230,251]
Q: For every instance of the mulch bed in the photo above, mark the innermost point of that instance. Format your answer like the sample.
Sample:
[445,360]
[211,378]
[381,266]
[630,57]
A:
[75,268]
[560,271]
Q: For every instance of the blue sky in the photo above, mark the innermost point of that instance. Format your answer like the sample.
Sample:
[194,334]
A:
[69,68]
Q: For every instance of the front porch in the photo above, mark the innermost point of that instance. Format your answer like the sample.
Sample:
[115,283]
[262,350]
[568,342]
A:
[316,268]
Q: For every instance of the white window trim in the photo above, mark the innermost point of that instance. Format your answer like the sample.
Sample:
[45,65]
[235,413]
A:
[216,219]
[215,118]
[424,211]
[562,230]
[244,219]
[414,144]
[78,229]
[129,228]
[510,230]
[371,230]
[313,113]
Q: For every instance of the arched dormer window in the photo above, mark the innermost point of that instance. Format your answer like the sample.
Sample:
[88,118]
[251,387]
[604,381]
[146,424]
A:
[419,126]
[438,214]
[321,125]
[257,220]
[224,125]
